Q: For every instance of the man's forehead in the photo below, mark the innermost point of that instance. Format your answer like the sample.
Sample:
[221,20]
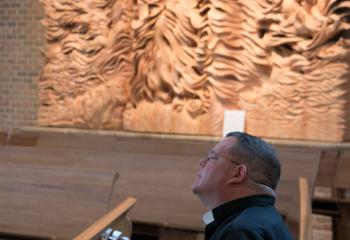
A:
[225,144]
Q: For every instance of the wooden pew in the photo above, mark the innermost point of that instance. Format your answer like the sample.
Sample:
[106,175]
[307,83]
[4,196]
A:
[114,220]
[341,222]
[296,163]
[49,201]
[144,176]
[152,167]
[335,176]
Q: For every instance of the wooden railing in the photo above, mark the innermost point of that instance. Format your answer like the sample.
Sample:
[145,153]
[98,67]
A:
[113,224]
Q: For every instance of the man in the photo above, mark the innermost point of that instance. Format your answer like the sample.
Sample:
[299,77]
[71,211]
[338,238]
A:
[236,181]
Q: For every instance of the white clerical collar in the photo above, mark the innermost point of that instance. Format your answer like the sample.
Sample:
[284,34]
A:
[208,217]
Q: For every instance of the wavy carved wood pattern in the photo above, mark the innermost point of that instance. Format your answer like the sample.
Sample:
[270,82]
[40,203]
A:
[175,65]
[89,63]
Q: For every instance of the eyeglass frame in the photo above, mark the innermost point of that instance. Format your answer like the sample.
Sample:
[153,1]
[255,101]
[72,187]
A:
[212,155]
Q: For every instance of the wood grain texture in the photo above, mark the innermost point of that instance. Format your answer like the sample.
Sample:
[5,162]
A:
[159,173]
[327,168]
[305,210]
[175,66]
[148,177]
[342,178]
[51,201]
[109,220]
[300,162]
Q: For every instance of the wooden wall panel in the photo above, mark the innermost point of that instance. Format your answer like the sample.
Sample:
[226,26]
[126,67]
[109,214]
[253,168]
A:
[48,201]
[158,172]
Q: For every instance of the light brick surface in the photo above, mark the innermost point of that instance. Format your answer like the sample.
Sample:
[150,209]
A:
[21,39]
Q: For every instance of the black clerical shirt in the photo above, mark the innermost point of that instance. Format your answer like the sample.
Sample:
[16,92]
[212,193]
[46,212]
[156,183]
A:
[249,218]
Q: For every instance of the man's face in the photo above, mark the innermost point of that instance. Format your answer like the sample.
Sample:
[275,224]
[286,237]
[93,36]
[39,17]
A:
[215,171]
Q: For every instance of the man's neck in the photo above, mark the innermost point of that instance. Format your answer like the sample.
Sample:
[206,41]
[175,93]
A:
[237,193]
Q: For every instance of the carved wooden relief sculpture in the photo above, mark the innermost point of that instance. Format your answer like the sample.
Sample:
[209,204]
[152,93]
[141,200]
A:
[174,66]
[89,63]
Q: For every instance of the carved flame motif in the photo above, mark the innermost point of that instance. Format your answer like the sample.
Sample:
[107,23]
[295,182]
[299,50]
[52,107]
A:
[307,87]
[175,66]
[89,63]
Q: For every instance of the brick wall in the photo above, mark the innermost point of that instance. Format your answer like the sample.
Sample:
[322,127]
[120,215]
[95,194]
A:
[21,39]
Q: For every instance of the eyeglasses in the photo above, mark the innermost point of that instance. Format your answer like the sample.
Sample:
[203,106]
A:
[214,156]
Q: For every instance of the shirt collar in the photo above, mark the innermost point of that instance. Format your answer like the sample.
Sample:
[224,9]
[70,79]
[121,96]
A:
[227,209]
[208,217]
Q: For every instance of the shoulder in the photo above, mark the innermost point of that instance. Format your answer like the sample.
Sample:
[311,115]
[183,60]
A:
[258,217]
[243,233]
[256,223]
[243,227]
[253,233]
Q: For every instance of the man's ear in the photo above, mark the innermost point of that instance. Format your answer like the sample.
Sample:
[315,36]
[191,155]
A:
[238,174]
